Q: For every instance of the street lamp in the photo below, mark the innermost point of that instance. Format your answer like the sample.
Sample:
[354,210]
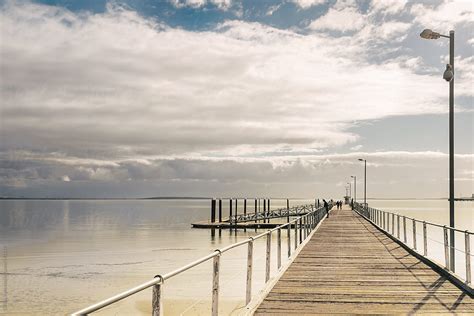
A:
[355,188]
[350,189]
[448,75]
[365,181]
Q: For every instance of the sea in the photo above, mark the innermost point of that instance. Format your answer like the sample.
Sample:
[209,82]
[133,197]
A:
[59,256]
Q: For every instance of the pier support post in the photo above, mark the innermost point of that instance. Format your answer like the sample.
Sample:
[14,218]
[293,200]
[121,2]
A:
[236,209]
[230,211]
[264,210]
[256,210]
[245,207]
[220,210]
[288,210]
[213,211]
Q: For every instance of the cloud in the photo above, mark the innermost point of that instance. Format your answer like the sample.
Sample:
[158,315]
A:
[306,4]
[221,4]
[346,19]
[313,172]
[388,7]
[445,16]
[115,97]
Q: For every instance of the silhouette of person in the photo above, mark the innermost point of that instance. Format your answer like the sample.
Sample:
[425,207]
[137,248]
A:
[326,206]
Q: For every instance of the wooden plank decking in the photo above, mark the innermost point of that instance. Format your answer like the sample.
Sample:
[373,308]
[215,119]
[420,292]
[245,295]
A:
[350,267]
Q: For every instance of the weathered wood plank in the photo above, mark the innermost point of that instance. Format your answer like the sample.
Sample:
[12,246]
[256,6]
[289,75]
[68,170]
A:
[350,267]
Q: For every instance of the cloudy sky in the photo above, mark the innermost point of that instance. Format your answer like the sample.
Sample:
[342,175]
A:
[141,98]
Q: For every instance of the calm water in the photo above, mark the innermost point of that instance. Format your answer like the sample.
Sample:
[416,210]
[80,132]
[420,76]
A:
[63,255]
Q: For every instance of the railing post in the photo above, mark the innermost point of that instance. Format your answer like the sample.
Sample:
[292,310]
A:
[288,232]
[268,255]
[446,247]
[215,285]
[404,229]
[425,240]
[398,226]
[301,229]
[393,224]
[248,292]
[467,250]
[157,307]
[306,220]
[414,233]
[279,248]
[296,233]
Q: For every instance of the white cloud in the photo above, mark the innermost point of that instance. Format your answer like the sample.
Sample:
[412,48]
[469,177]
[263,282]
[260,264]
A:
[221,4]
[346,19]
[445,16]
[392,30]
[140,86]
[115,96]
[306,4]
[388,6]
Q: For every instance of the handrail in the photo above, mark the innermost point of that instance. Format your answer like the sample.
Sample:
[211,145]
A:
[303,228]
[386,221]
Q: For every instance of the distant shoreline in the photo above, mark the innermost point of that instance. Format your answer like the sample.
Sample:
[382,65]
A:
[208,198]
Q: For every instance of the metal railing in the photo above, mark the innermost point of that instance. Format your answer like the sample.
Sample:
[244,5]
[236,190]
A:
[275,213]
[391,222]
[303,226]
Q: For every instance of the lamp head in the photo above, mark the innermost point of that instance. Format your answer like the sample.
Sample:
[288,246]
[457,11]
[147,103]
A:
[360,159]
[448,73]
[429,34]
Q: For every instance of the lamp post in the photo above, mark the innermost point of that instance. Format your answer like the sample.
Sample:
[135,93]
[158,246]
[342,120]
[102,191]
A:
[350,189]
[365,181]
[355,188]
[448,75]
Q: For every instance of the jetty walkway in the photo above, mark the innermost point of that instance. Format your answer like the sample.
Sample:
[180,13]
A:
[349,266]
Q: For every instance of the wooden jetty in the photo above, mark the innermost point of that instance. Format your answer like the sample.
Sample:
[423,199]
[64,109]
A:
[349,266]
[252,219]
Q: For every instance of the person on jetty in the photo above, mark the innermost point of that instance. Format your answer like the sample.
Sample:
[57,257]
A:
[326,206]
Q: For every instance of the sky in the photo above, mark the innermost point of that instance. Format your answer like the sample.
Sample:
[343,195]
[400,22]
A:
[139,98]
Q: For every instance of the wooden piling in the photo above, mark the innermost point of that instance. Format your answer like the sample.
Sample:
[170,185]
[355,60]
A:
[213,211]
[245,207]
[288,209]
[236,209]
[256,210]
[264,210]
[220,210]
[230,210]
